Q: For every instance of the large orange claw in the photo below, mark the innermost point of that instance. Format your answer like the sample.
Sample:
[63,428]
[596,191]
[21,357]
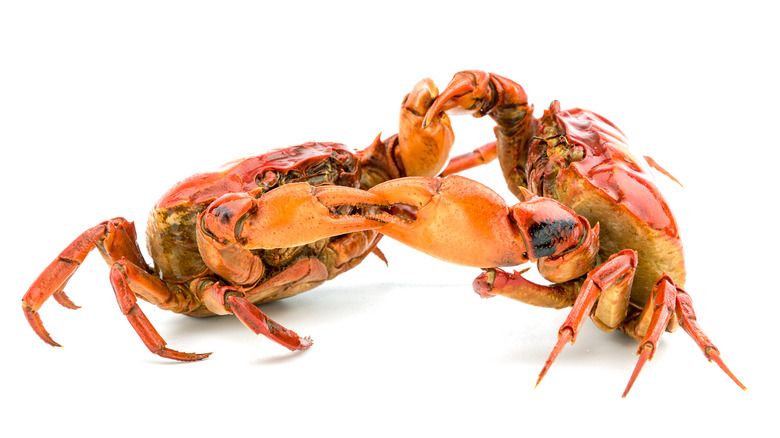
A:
[464,222]
[290,215]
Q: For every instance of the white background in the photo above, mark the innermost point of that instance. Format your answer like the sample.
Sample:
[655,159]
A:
[103,106]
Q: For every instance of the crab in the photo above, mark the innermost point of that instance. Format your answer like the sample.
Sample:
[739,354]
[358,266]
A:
[589,215]
[196,273]
[634,281]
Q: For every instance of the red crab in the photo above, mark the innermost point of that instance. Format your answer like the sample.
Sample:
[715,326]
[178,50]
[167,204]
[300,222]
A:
[634,282]
[198,274]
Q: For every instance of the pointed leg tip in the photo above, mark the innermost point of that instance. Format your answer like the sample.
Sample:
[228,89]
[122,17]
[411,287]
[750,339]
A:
[625,391]
[37,325]
[182,357]
[305,343]
[714,356]
[44,335]
[644,356]
[65,301]
[564,336]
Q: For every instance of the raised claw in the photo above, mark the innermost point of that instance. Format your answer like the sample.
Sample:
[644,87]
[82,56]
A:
[421,98]
[423,144]
[467,93]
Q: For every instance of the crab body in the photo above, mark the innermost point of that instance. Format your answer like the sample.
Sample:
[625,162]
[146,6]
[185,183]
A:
[582,160]
[171,227]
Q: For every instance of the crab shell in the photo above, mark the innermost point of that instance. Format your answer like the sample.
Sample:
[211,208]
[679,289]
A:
[171,227]
[581,159]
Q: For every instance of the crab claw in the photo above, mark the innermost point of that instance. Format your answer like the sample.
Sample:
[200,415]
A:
[423,144]
[479,93]
[466,92]
[291,215]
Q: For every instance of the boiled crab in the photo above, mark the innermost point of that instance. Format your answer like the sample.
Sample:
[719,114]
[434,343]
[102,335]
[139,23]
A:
[634,281]
[198,273]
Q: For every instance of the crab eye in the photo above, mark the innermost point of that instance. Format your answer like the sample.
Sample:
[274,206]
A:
[266,180]
[577,154]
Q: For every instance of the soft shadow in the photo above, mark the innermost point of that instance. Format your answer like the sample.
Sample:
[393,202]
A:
[323,306]
[283,358]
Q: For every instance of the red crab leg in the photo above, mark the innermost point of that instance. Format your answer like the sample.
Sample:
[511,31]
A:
[479,156]
[54,278]
[687,319]
[126,279]
[64,301]
[613,277]
[259,323]
[233,301]
[654,164]
[665,300]
[115,239]
[662,301]
[495,281]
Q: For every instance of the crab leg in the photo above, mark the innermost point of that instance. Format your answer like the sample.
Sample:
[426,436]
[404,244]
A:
[495,281]
[610,284]
[687,319]
[662,303]
[54,278]
[479,156]
[667,301]
[227,299]
[129,280]
[114,238]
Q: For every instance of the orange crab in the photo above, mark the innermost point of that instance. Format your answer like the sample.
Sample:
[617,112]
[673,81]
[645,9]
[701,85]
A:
[198,274]
[634,282]
[579,158]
